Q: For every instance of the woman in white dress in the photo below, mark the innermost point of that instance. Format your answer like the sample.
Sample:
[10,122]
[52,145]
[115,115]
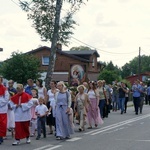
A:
[42,91]
[51,105]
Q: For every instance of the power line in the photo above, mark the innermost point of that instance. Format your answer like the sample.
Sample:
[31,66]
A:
[15,3]
[21,3]
[100,49]
[145,52]
[112,53]
[118,59]
[73,41]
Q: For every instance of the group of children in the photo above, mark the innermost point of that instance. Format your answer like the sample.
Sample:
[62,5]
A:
[39,112]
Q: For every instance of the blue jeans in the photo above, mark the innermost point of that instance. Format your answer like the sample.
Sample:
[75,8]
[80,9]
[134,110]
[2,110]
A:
[122,102]
[101,107]
[115,102]
[41,121]
[1,139]
[136,103]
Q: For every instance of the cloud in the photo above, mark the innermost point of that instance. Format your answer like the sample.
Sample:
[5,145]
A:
[101,20]
[124,1]
[13,22]
[110,25]
[12,32]
[113,42]
[107,24]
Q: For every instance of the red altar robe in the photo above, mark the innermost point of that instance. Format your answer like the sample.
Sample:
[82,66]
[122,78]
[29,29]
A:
[3,116]
[21,127]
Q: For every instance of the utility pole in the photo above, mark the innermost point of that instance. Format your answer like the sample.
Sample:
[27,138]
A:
[139,65]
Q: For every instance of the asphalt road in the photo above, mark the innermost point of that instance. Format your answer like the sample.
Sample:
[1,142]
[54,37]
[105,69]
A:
[119,132]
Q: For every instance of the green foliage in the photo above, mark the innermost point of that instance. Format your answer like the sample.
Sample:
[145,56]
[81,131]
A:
[132,67]
[110,66]
[110,73]
[43,12]
[127,82]
[126,70]
[52,24]
[74,89]
[108,76]
[80,48]
[20,67]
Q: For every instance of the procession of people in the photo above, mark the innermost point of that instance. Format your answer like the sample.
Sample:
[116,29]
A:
[27,111]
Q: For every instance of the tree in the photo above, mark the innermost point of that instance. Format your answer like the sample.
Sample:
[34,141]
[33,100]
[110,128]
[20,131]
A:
[126,70]
[133,68]
[80,48]
[110,66]
[110,73]
[20,67]
[46,16]
[108,76]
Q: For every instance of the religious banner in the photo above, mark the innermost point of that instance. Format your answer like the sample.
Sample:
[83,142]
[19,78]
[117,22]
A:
[77,74]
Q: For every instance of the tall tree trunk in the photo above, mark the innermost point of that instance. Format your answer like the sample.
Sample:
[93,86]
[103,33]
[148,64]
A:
[52,56]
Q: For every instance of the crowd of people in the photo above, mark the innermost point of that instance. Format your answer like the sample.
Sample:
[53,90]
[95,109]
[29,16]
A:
[25,111]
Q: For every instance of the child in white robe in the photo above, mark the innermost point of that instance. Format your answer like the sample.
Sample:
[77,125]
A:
[33,122]
[10,120]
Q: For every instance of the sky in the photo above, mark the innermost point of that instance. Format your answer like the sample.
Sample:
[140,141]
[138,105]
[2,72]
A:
[115,28]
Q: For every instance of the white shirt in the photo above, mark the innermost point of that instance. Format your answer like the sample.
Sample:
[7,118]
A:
[3,102]
[91,94]
[22,113]
[53,105]
[41,109]
[40,92]
[51,95]
[127,94]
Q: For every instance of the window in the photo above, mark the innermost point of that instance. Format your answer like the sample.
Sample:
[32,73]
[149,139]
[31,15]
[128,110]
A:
[45,60]
[93,62]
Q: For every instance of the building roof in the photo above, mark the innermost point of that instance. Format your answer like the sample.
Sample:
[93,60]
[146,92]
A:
[83,52]
[101,63]
[72,54]
[38,49]
[136,75]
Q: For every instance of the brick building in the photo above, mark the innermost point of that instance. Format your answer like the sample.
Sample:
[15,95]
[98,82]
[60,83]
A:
[144,77]
[85,59]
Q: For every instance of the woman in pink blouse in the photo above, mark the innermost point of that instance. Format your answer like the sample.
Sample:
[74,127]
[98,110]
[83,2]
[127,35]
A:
[93,115]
